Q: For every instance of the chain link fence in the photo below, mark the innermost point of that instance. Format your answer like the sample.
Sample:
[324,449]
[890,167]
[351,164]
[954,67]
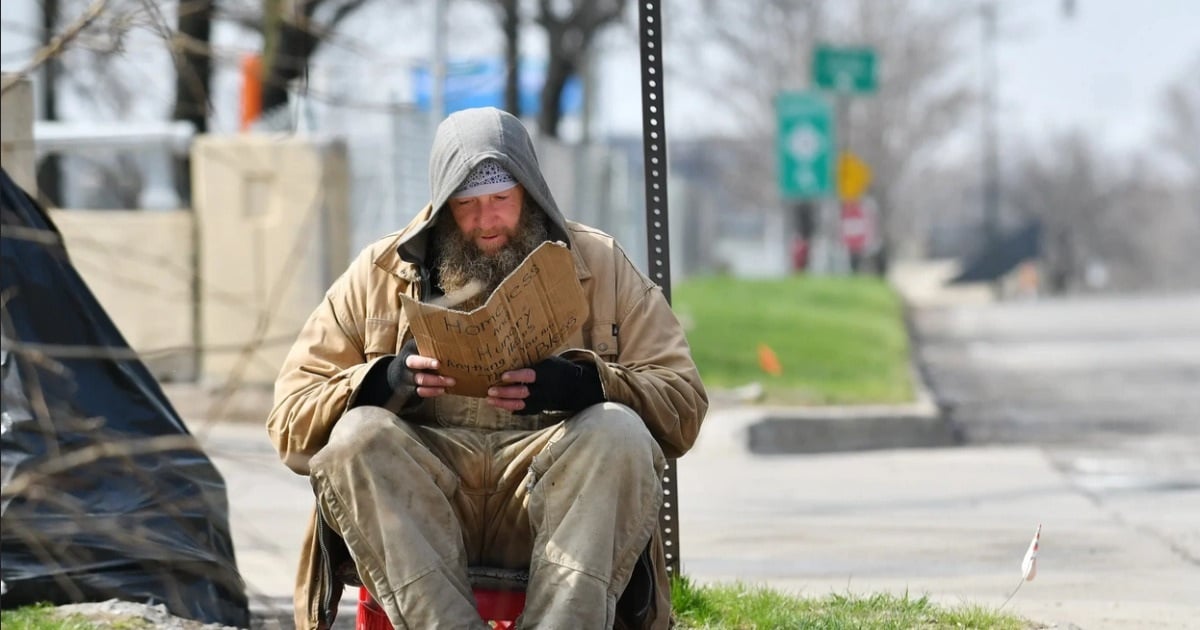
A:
[388,140]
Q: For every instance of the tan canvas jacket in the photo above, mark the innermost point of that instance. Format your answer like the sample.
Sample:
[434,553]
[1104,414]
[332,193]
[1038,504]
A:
[630,333]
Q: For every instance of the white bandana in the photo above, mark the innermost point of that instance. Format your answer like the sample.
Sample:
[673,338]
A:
[485,179]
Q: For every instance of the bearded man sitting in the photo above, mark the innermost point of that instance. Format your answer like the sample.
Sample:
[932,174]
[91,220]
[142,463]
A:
[557,471]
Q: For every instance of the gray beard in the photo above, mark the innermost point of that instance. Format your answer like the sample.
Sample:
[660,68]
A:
[467,275]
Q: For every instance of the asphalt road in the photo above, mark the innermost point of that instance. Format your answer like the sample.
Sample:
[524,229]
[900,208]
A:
[1098,372]
[1108,388]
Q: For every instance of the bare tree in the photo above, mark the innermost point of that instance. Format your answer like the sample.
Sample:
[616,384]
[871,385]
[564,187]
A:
[1162,219]
[746,53]
[1180,133]
[1180,208]
[89,63]
[292,32]
[82,42]
[1108,221]
[716,45]
[919,104]
[920,101]
[509,14]
[510,20]
[1070,193]
[49,173]
[192,54]
[571,26]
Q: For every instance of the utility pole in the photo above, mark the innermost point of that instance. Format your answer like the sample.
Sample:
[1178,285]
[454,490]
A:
[437,74]
[49,171]
[587,67]
[991,152]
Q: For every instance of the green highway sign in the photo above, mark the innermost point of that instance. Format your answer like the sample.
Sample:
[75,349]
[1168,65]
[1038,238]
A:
[805,145]
[844,69]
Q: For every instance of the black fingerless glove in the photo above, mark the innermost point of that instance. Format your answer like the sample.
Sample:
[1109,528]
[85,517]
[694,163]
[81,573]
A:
[563,385]
[400,378]
[390,384]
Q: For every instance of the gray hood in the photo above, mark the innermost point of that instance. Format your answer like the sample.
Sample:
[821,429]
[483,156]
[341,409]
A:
[463,140]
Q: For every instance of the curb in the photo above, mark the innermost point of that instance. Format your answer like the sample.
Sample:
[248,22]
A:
[920,424]
[790,436]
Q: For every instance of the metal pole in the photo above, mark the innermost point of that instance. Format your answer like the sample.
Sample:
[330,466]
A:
[437,73]
[588,70]
[991,153]
[840,262]
[654,153]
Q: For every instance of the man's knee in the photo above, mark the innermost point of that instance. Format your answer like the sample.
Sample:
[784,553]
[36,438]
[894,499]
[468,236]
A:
[357,432]
[613,428]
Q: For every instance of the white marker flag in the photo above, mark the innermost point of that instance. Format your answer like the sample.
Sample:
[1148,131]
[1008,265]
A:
[1029,564]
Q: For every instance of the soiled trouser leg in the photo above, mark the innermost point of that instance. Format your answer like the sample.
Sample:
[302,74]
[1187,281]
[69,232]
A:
[594,504]
[390,499]
[596,493]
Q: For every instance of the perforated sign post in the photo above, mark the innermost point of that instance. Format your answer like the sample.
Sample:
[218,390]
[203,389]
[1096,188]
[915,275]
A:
[805,145]
[654,151]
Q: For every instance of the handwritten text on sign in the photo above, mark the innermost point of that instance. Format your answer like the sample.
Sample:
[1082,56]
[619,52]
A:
[526,319]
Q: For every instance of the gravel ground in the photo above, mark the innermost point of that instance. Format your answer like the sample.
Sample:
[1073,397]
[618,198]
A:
[131,616]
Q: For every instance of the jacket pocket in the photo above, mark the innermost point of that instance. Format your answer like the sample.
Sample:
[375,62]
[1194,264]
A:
[380,338]
[603,340]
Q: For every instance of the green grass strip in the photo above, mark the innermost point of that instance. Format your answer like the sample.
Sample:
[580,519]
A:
[42,617]
[742,607]
[839,340]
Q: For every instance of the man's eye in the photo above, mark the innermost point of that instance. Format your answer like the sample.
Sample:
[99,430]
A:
[500,197]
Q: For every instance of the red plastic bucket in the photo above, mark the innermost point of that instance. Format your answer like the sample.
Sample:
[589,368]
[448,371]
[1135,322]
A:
[501,608]
[370,613]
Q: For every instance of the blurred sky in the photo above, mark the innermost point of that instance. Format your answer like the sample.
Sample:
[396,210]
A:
[1102,69]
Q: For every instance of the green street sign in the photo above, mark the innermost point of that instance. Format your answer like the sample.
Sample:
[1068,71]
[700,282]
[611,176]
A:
[805,145]
[844,69]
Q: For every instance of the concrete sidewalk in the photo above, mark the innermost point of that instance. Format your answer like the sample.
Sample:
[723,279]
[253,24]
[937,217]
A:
[950,523]
[269,510]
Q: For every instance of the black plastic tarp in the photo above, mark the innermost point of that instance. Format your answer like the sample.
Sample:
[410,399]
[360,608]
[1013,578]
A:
[105,492]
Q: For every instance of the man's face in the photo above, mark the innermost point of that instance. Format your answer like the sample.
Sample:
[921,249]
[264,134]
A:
[489,221]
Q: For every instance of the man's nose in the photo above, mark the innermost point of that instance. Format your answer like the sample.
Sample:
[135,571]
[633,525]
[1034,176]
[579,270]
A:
[489,217]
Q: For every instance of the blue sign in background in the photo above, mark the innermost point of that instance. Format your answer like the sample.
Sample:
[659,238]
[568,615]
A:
[480,83]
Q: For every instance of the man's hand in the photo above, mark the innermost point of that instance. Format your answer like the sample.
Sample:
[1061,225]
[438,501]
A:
[553,384]
[410,372]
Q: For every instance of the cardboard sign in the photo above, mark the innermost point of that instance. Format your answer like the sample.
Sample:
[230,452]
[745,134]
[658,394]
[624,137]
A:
[526,319]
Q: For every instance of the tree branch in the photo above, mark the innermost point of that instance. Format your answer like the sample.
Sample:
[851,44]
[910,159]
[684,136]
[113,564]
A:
[58,44]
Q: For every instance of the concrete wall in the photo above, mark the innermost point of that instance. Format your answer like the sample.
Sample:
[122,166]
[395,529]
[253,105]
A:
[16,132]
[140,266]
[216,293]
[273,219]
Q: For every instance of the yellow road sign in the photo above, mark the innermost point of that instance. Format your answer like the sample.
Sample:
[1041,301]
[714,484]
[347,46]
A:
[853,176]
